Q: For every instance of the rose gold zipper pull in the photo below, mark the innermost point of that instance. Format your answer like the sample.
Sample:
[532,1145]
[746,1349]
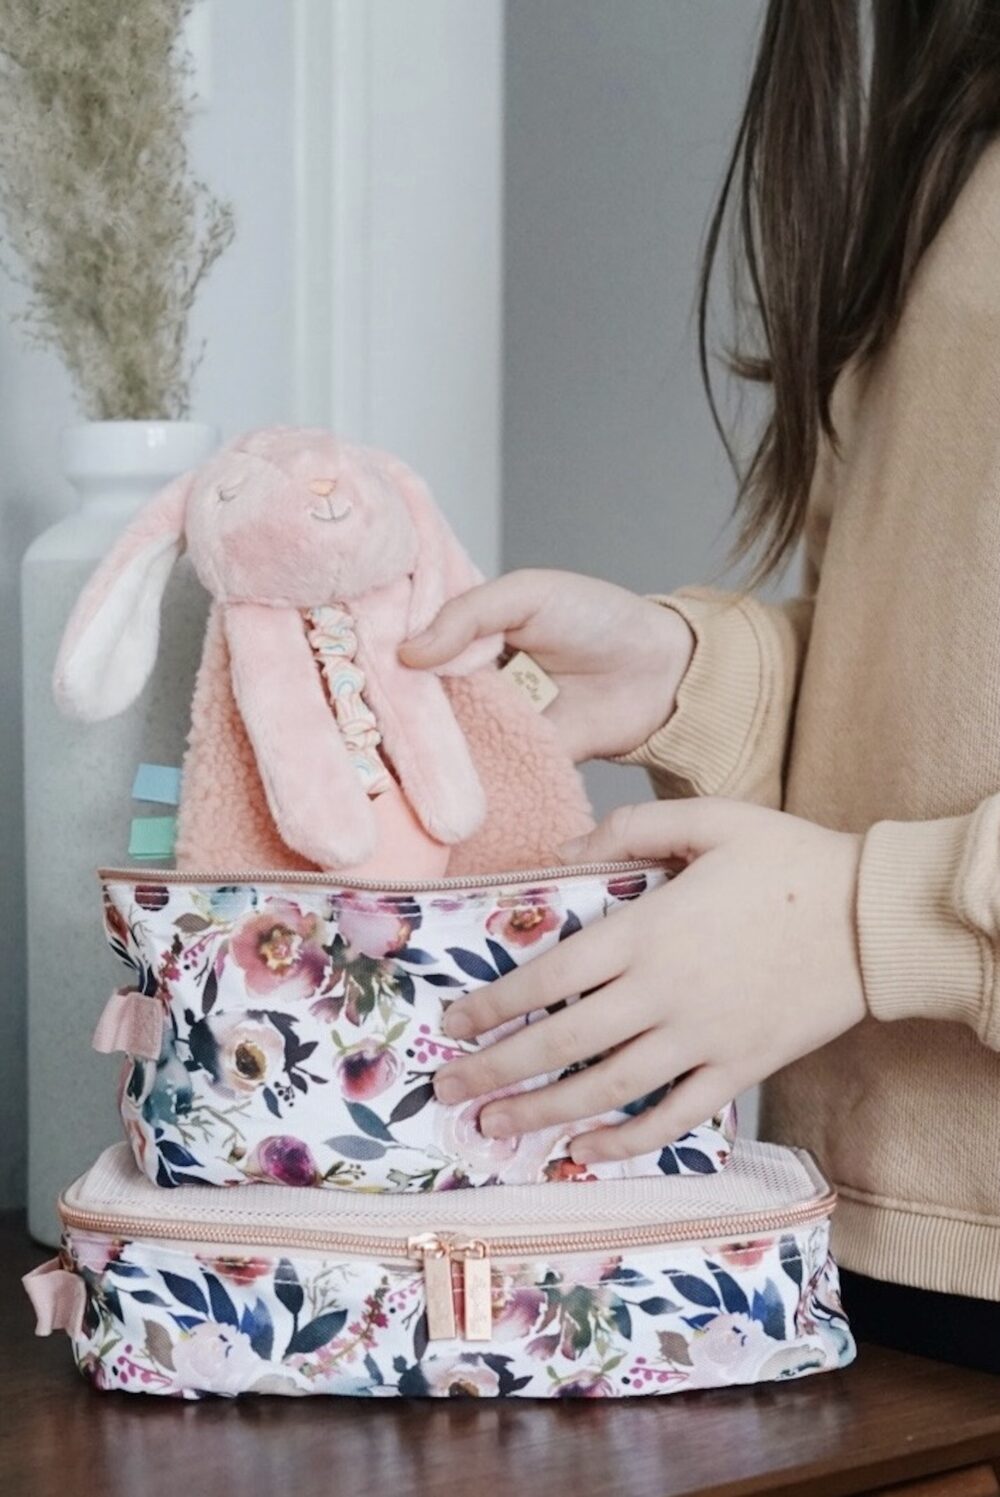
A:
[435,1256]
[477,1289]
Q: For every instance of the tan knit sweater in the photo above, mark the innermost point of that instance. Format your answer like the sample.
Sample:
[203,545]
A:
[872,705]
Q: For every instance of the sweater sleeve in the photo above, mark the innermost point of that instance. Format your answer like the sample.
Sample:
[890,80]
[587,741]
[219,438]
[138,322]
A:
[928,918]
[728,734]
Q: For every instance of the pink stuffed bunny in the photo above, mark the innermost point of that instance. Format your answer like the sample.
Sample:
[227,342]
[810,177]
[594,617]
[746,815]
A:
[279,522]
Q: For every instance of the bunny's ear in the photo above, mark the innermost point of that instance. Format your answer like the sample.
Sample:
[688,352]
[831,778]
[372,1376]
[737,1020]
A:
[441,571]
[109,644]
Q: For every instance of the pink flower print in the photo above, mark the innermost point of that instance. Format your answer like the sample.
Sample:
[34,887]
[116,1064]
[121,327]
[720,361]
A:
[728,1341]
[284,1159]
[745,1254]
[460,1378]
[516,1309]
[240,1270]
[523,919]
[250,1055]
[218,1357]
[586,1385]
[281,948]
[374,927]
[460,1138]
[367,1070]
[95,1253]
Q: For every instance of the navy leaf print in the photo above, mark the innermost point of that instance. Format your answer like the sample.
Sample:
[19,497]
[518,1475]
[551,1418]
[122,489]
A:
[696,1290]
[184,1290]
[356,1148]
[317,1333]
[127,1270]
[570,926]
[667,1163]
[476,966]
[649,1100]
[271,1102]
[697,1162]
[733,1297]
[147,1297]
[209,993]
[622,1319]
[767,1307]
[414,956]
[697,1322]
[420,1336]
[203,1047]
[287,1289]
[413,1101]
[223,1309]
[256,1326]
[791,1259]
[412,1383]
[369,1122]
[174,1154]
[658,1306]
[505,962]
[441,980]
[186,1322]
[373,1370]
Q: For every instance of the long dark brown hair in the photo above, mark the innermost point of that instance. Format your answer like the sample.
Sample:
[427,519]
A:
[863,120]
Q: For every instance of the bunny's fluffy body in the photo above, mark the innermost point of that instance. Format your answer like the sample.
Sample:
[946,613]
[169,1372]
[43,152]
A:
[279,521]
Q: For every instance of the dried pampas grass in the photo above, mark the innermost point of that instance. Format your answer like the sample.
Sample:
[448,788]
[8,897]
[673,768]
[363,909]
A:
[113,233]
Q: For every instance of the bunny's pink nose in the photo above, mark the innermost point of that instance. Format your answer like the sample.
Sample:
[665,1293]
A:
[323,487]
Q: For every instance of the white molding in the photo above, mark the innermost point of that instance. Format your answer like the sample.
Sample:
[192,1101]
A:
[398,189]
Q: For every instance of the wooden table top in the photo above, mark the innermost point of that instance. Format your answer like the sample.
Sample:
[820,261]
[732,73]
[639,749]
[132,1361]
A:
[889,1418]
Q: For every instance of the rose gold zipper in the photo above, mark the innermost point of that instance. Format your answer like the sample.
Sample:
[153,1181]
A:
[378,886]
[439,1254]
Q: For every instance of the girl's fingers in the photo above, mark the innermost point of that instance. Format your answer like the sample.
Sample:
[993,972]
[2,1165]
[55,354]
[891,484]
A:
[678,829]
[699,1096]
[578,1032]
[630,1072]
[491,608]
[584,961]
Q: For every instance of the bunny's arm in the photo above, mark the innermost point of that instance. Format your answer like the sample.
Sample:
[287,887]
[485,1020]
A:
[316,798]
[420,732]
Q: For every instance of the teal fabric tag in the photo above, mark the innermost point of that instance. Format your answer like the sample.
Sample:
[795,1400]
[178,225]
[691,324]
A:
[152,837]
[157,782]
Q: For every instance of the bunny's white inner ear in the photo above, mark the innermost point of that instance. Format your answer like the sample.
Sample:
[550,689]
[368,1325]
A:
[103,671]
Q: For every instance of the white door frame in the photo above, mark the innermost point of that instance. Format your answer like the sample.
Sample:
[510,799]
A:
[398,234]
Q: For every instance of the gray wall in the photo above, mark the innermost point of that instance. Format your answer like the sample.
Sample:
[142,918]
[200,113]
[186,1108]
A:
[619,117]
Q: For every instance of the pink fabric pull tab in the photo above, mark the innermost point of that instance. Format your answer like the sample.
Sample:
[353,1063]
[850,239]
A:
[130,1022]
[59,1298]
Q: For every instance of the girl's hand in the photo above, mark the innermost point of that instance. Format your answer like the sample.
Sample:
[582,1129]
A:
[743,962]
[616,658]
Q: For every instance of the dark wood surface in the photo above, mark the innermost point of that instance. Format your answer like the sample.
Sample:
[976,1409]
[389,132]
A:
[889,1418]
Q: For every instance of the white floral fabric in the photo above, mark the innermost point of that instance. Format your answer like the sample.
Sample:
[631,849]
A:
[302,1031]
[660,1320]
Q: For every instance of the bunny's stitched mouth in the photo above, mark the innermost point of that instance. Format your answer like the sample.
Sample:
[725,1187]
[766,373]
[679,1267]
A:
[329,513]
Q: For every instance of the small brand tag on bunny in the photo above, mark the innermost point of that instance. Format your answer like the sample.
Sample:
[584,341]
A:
[529,677]
[157,782]
[152,837]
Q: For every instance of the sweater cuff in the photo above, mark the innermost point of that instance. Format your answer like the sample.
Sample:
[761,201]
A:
[703,744]
[919,959]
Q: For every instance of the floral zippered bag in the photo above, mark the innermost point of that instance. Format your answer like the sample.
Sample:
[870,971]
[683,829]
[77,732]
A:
[625,1288]
[286,1028]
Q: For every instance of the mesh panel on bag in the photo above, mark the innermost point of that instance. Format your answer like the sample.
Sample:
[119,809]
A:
[760,1178]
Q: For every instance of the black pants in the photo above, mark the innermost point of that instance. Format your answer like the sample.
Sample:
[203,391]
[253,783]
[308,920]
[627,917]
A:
[947,1327]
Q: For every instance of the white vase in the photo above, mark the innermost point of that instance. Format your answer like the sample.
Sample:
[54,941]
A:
[78,782]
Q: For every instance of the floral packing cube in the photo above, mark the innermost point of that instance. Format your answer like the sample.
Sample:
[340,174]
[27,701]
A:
[289,1030]
[628,1288]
